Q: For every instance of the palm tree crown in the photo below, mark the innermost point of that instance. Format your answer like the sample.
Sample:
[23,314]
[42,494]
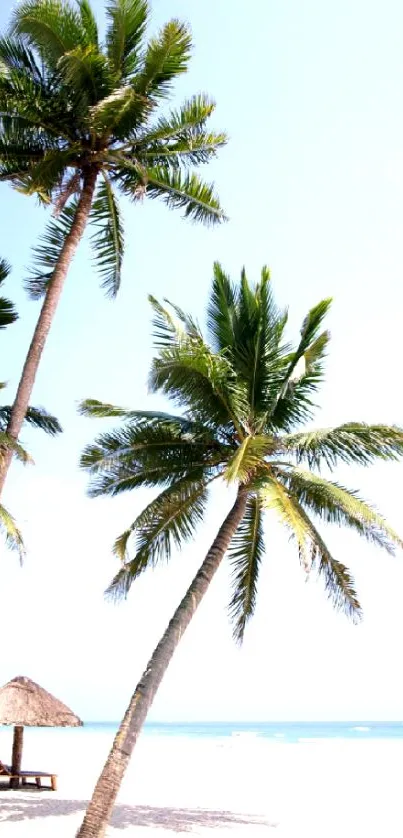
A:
[71,106]
[243,397]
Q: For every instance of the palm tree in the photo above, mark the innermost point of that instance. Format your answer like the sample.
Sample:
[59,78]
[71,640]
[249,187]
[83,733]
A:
[80,120]
[35,416]
[243,397]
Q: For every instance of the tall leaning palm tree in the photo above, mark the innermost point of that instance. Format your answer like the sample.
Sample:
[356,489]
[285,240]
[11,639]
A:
[35,416]
[81,120]
[243,398]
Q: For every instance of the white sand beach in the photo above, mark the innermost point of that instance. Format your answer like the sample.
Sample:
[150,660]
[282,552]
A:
[241,787]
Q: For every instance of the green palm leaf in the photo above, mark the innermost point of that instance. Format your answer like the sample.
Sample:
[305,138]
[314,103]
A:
[187,192]
[246,554]
[202,383]
[173,330]
[187,121]
[177,190]
[148,453]
[248,458]
[86,70]
[8,313]
[336,504]
[37,417]
[124,39]
[45,177]
[166,57]
[114,113]
[303,373]
[12,534]
[167,522]
[47,254]
[7,443]
[16,56]
[353,442]
[339,583]
[100,410]
[108,241]
[52,27]
[88,22]
[276,498]
[181,136]
[195,151]
[309,336]
[222,314]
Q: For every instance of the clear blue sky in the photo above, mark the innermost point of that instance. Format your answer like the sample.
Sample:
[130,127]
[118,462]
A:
[312,179]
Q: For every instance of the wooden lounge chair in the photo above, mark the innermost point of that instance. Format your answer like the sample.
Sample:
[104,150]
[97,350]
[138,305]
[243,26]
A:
[26,776]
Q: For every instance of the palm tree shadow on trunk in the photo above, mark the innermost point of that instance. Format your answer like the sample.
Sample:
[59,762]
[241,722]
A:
[24,806]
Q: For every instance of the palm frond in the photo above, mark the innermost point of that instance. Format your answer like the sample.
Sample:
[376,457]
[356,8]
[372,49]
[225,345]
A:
[202,149]
[118,113]
[334,503]
[245,554]
[5,270]
[247,458]
[181,137]
[339,583]
[95,409]
[353,442]
[92,408]
[167,522]
[200,382]
[303,372]
[37,417]
[258,350]
[12,534]
[275,497]
[313,552]
[52,27]
[184,191]
[15,55]
[172,330]
[248,327]
[222,313]
[166,57]
[108,241]
[88,21]
[309,333]
[8,313]
[148,452]
[127,23]
[21,144]
[44,177]
[53,114]
[7,443]
[187,121]
[47,254]
[17,145]
[86,70]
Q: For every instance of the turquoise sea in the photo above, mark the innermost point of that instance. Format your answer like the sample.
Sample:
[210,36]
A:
[286,732]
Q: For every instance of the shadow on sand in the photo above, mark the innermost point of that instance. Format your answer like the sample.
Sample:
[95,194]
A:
[27,805]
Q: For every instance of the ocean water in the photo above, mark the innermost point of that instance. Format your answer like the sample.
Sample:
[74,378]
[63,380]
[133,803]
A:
[287,732]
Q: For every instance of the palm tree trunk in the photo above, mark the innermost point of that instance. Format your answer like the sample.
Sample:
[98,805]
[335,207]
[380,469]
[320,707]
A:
[46,316]
[100,807]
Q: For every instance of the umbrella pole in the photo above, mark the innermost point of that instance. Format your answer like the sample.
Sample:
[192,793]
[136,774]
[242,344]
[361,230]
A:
[16,758]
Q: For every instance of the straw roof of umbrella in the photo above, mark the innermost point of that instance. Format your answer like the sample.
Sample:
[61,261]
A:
[25,703]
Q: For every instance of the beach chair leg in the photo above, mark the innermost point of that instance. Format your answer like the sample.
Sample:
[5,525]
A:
[53,782]
[38,782]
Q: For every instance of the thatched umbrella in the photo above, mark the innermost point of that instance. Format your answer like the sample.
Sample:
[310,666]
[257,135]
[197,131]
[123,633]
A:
[23,703]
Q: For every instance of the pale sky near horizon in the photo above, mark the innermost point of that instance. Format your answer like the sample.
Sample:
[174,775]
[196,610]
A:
[312,179]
